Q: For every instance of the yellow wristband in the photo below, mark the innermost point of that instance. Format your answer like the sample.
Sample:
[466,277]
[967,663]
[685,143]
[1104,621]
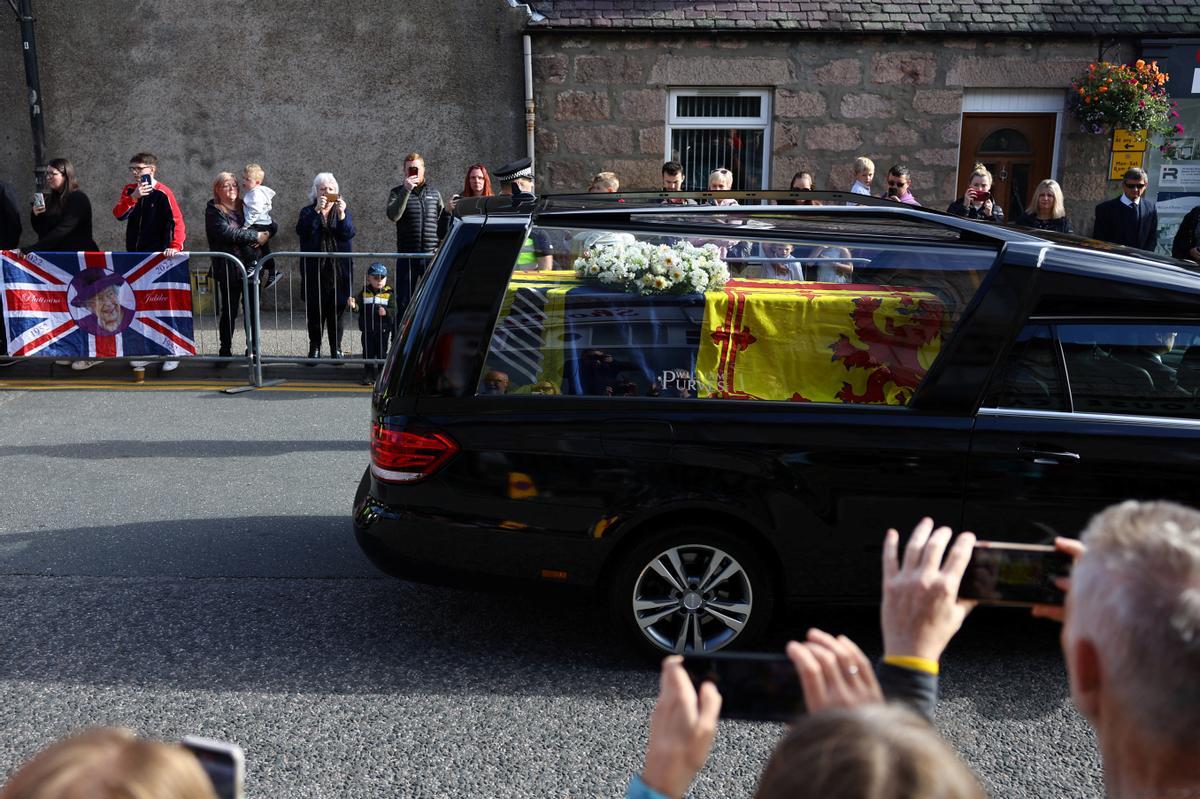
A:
[913,663]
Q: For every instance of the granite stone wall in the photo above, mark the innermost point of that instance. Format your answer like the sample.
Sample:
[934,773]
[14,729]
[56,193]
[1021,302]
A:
[602,101]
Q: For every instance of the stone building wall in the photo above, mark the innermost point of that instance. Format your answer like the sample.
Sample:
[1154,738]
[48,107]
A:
[602,101]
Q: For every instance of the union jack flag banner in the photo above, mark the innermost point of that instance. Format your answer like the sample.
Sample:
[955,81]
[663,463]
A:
[96,304]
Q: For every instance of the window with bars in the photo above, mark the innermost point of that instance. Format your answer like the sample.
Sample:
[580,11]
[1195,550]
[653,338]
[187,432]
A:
[712,128]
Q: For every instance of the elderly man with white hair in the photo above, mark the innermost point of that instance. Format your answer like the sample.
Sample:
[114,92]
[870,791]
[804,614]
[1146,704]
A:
[1131,638]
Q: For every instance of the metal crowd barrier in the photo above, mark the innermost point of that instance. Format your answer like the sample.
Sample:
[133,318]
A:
[206,297]
[287,333]
[285,339]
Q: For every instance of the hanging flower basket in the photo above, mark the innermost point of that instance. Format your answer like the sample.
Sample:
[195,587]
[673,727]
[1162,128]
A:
[1132,96]
[643,268]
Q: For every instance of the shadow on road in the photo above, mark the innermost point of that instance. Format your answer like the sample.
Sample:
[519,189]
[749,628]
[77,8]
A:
[233,448]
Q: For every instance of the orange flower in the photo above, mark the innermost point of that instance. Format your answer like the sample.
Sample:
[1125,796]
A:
[1103,88]
[1140,64]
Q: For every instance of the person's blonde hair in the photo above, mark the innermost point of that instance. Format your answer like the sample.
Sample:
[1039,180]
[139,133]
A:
[254,172]
[721,172]
[218,180]
[414,156]
[110,763]
[606,180]
[1060,210]
[980,169]
[872,752]
[863,164]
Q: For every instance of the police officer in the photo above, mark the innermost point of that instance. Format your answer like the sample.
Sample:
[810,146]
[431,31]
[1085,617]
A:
[537,253]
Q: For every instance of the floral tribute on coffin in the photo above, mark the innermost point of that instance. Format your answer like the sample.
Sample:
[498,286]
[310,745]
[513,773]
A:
[1132,96]
[641,267]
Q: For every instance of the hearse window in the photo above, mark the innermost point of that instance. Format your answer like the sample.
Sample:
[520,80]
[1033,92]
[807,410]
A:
[601,312]
[1030,378]
[1142,369]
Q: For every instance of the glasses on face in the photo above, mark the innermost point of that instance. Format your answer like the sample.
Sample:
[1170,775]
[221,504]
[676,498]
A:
[897,184]
[53,173]
[137,168]
[801,188]
[1138,186]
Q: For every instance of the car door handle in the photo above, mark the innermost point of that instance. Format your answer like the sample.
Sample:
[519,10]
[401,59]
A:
[1047,457]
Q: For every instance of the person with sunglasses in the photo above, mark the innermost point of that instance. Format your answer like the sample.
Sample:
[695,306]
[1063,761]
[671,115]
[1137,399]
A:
[1129,220]
[899,185]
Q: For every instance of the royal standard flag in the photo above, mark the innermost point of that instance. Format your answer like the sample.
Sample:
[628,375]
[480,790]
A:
[817,342]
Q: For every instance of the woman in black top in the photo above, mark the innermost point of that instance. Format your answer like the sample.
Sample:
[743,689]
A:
[977,202]
[64,223]
[1046,210]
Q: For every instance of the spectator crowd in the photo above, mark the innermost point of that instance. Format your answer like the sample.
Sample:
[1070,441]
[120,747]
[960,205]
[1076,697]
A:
[1130,641]
[240,221]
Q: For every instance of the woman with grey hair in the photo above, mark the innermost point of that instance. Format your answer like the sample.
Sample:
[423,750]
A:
[325,228]
[1046,210]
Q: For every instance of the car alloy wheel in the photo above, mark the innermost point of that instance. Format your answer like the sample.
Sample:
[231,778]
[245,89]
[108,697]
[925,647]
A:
[692,598]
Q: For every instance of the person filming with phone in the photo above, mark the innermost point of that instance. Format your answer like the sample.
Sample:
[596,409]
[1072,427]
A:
[325,227]
[415,207]
[977,202]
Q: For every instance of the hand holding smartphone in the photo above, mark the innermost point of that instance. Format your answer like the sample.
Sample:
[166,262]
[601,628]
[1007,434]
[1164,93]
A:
[754,686]
[1015,574]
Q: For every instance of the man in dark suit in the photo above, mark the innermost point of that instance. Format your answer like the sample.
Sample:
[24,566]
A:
[1131,219]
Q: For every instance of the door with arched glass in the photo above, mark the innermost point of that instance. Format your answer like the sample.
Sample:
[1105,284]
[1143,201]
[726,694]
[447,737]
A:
[1018,149]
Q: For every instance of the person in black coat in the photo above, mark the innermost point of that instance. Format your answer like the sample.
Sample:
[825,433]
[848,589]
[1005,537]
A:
[1046,210]
[10,239]
[10,217]
[977,202]
[1130,220]
[64,222]
[325,227]
[224,227]
[1186,245]
[416,208]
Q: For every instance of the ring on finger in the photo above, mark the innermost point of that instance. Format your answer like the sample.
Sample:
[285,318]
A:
[853,670]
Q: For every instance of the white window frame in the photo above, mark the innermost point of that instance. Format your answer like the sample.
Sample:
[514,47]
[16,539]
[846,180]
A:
[762,121]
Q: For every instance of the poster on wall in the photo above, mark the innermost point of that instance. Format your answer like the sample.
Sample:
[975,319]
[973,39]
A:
[1175,182]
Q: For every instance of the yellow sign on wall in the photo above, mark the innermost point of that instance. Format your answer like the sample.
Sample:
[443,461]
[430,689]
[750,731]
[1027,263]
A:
[1122,162]
[1129,140]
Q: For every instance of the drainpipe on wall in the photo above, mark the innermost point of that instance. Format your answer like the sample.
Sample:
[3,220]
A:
[34,85]
[530,109]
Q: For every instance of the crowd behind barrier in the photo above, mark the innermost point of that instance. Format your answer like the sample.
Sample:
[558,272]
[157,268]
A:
[240,223]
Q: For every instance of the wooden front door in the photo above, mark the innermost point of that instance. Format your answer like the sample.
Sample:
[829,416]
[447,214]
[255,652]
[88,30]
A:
[1018,149]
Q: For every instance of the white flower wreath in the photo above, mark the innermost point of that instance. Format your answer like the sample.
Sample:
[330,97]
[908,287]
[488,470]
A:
[645,268]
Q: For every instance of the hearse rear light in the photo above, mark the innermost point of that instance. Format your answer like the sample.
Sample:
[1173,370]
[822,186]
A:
[406,455]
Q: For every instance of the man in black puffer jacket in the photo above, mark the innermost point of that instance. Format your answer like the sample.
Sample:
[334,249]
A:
[415,207]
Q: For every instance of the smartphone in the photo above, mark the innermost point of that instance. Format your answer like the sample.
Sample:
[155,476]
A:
[983,196]
[224,763]
[39,200]
[412,171]
[1014,574]
[756,686]
[146,179]
[331,198]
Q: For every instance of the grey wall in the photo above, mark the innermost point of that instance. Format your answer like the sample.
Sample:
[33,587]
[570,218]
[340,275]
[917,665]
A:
[346,86]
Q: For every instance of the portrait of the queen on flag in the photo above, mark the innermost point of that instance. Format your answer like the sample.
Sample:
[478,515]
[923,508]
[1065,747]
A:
[96,304]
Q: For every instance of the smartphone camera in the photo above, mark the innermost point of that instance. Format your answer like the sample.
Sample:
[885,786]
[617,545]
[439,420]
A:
[224,763]
[1014,574]
[145,179]
[412,171]
[754,686]
[39,200]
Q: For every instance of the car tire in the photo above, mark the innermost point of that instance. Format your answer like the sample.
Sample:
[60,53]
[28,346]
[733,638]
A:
[668,595]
